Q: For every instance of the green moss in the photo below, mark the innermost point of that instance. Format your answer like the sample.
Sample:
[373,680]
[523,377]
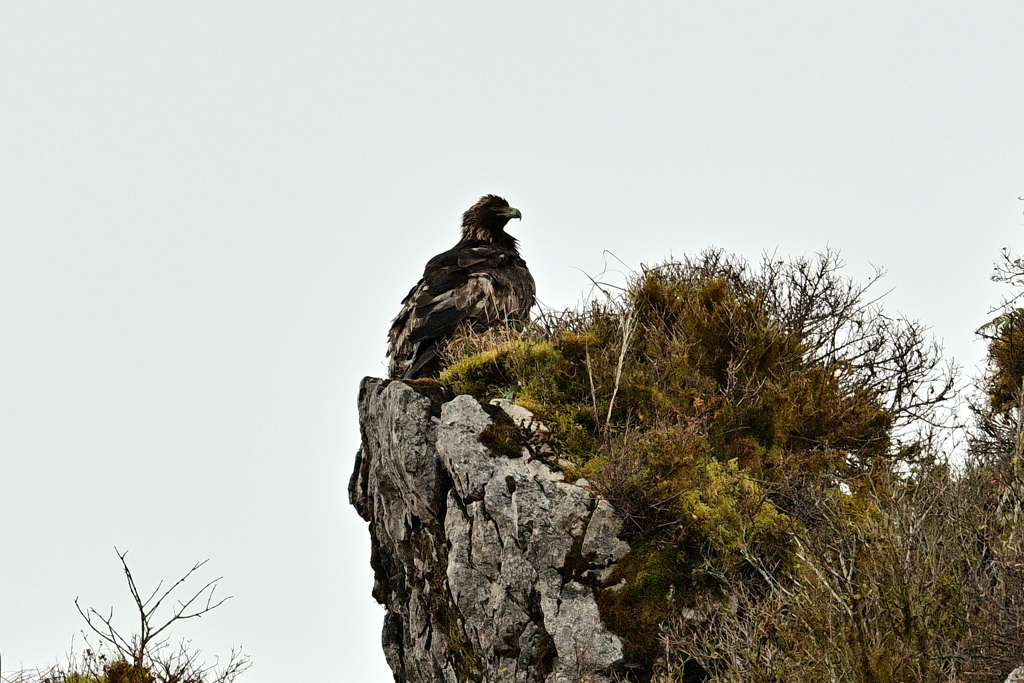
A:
[647,588]
[503,437]
[482,375]
[438,392]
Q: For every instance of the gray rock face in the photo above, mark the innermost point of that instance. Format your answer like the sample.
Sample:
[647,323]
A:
[486,564]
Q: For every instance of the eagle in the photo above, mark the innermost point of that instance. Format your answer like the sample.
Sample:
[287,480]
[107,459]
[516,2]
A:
[479,283]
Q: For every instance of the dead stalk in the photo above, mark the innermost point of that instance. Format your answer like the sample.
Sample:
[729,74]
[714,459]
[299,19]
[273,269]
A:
[628,320]
[593,391]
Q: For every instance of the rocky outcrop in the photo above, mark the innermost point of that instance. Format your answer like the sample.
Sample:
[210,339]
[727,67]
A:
[485,561]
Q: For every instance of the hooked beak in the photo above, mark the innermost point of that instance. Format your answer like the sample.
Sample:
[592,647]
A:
[511,213]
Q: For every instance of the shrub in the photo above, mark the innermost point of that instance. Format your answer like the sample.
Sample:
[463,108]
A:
[714,403]
[148,655]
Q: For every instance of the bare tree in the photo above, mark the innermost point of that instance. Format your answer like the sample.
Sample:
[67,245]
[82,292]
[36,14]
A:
[150,647]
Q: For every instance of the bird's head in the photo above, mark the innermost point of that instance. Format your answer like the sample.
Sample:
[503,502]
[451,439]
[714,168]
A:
[486,219]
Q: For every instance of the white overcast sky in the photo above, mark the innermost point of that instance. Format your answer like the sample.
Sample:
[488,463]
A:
[209,213]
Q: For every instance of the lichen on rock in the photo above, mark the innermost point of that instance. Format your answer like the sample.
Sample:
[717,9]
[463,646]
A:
[486,562]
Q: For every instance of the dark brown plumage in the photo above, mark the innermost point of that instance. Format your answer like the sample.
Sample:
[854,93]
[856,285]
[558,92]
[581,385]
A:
[477,284]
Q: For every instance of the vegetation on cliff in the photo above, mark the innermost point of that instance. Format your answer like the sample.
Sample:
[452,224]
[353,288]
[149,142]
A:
[774,440]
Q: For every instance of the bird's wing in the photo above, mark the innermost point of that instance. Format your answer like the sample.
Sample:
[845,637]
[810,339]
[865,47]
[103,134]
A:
[457,287]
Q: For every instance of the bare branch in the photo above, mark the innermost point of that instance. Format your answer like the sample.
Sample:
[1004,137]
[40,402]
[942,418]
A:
[143,648]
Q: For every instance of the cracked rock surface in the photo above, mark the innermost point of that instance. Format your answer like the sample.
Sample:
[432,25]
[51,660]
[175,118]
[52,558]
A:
[485,563]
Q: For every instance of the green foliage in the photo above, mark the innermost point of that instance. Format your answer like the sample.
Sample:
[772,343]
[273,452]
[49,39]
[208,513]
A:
[695,399]
[894,584]
[909,574]
[650,585]
[1005,336]
[999,408]
[710,345]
